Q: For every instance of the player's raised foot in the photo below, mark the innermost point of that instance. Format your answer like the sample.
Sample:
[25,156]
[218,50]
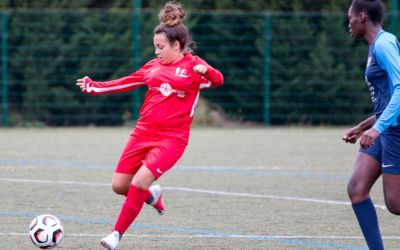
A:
[111,241]
[156,199]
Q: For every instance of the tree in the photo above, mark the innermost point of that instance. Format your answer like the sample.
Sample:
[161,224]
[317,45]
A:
[315,67]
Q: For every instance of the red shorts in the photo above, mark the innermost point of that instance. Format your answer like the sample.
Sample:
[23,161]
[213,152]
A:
[157,154]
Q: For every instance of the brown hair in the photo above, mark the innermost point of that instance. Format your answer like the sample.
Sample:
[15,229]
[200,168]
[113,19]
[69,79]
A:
[171,17]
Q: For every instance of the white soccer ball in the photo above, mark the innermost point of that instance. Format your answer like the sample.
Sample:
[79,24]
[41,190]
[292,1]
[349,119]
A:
[46,231]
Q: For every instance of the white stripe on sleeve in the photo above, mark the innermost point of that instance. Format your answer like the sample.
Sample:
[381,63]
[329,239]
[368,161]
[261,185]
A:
[112,88]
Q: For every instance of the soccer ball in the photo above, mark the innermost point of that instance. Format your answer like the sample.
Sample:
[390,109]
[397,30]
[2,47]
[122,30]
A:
[46,231]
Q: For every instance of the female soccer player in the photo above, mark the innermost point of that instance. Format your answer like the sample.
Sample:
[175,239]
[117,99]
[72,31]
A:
[161,134]
[379,134]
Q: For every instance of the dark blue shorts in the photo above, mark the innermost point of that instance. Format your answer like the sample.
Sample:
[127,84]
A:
[386,150]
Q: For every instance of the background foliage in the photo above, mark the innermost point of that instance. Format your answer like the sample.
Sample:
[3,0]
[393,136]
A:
[303,69]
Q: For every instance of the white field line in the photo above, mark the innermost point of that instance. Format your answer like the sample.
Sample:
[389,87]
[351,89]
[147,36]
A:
[243,236]
[79,183]
[194,190]
[36,163]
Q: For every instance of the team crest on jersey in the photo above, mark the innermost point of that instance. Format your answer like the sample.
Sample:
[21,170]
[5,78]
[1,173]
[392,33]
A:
[165,89]
[181,72]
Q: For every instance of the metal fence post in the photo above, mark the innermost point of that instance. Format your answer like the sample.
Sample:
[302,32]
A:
[267,80]
[4,69]
[136,37]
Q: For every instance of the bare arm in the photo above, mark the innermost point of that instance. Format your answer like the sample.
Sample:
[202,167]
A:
[351,135]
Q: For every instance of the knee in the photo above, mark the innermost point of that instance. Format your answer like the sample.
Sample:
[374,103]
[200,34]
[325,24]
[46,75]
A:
[119,188]
[393,205]
[143,178]
[357,192]
[352,189]
[141,184]
[394,210]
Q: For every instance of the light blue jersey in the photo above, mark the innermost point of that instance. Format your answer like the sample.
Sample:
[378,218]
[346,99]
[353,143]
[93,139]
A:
[383,78]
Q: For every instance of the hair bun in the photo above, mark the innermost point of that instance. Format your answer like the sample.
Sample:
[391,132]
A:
[172,14]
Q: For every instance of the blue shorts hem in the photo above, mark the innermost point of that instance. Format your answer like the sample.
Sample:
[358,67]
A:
[391,170]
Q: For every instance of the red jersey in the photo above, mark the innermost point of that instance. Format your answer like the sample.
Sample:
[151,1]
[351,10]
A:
[173,92]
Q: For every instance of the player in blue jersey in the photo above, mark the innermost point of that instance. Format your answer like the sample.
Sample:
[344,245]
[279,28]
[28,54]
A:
[379,134]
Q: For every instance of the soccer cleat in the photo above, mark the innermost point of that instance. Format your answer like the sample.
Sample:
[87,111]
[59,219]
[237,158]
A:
[111,241]
[156,199]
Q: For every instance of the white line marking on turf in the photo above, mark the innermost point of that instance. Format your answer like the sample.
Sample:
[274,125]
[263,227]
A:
[60,163]
[264,196]
[327,237]
[82,183]
[213,192]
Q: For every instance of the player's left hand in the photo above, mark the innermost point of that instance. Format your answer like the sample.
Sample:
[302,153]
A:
[351,135]
[200,68]
[368,138]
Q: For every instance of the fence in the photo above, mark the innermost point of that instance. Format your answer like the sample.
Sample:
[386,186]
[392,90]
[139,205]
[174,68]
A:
[300,68]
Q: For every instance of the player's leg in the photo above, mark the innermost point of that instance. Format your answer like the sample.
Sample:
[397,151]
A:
[367,170]
[141,150]
[391,168]
[129,166]
[131,160]
[121,183]
[138,193]
[391,190]
[129,163]
[160,160]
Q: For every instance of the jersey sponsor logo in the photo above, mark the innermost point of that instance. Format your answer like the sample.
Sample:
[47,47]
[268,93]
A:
[181,72]
[166,90]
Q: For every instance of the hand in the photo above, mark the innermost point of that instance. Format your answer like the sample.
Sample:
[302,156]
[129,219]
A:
[351,135]
[368,138]
[200,68]
[81,83]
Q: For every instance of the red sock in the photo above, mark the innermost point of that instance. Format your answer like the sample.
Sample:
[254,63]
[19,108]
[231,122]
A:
[147,193]
[148,196]
[131,208]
